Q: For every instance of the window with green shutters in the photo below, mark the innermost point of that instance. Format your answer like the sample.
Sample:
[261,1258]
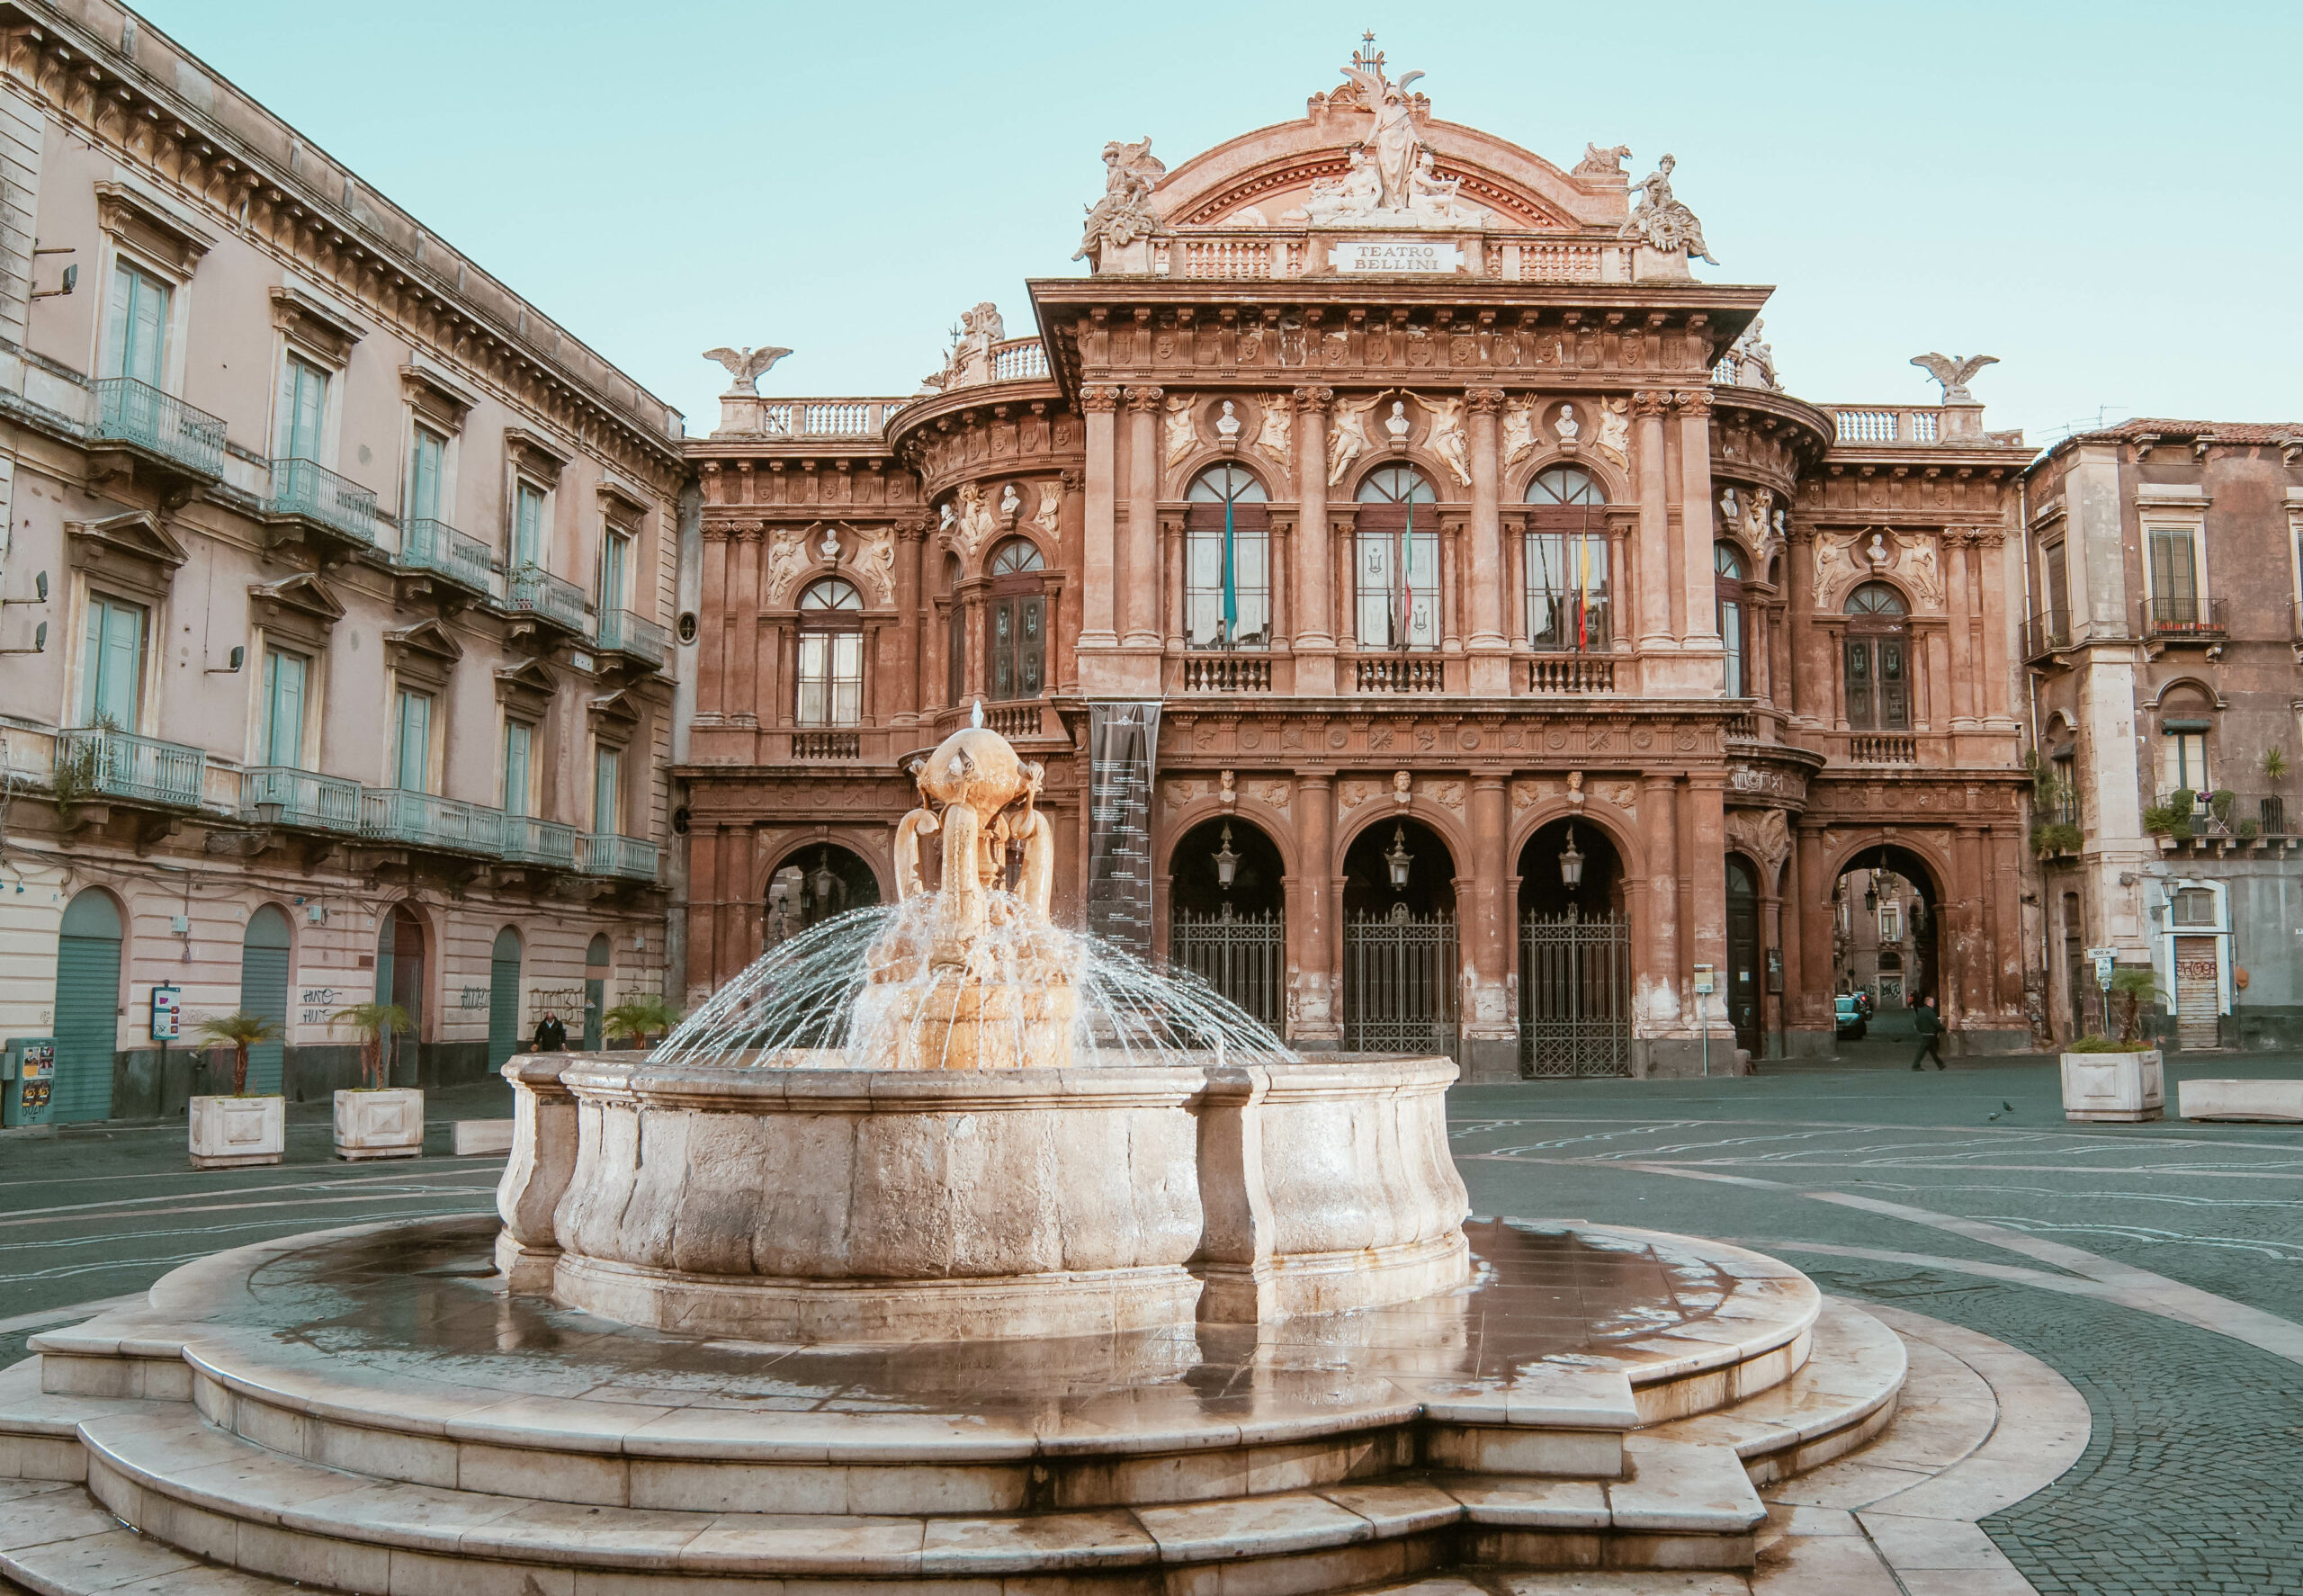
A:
[303,410]
[136,334]
[519,742]
[412,742]
[424,462]
[112,673]
[607,785]
[284,679]
[527,526]
[615,560]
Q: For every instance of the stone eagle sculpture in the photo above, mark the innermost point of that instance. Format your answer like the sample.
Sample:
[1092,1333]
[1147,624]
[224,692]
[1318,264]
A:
[746,365]
[1952,371]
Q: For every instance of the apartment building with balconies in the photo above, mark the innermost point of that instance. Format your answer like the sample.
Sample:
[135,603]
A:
[338,585]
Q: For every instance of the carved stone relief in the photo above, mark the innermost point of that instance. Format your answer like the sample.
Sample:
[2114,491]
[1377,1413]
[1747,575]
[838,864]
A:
[1764,835]
[875,562]
[1615,431]
[787,557]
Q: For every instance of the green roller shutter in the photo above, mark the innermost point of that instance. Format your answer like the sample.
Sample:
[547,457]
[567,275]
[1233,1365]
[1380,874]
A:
[264,989]
[504,999]
[87,1007]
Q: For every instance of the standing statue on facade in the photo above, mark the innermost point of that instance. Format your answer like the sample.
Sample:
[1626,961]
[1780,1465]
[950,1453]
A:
[1661,222]
[1392,146]
[1124,217]
[1754,359]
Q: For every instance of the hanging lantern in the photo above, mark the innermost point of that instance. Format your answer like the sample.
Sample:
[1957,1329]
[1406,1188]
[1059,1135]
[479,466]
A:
[1399,858]
[1871,894]
[1571,864]
[1872,891]
[1227,863]
[820,880]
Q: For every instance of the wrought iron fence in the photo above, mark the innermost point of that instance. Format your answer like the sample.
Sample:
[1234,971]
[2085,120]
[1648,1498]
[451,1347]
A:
[532,590]
[1399,978]
[528,840]
[2184,616]
[427,820]
[435,546]
[632,858]
[307,488]
[283,795]
[138,413]
[97,762]
[622,632]
[1243,957]
[1575,995]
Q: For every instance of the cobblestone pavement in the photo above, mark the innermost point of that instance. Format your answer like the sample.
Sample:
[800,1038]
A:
[2159,1268]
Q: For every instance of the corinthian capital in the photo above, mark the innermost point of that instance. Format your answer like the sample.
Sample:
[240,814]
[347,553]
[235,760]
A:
[1100,400]
[1308,399]
[1143,399]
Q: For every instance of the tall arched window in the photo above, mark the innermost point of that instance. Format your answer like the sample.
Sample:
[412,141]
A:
[1567,556]
[831,655]
[1878,660]
[1734,633]
[1014,620]
[1227,569]
[1398,562]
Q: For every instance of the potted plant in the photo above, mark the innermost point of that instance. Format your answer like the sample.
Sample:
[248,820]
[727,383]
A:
[376,1120]
[2122,1077]
[638,1021]
[228,1132]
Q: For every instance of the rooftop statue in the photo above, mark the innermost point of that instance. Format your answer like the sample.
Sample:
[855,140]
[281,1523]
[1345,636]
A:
[1754,359]
[1952,371]
[1123,216]
[969,360]
[1394,146]
[1662,223]
[747,366]
[1390,179]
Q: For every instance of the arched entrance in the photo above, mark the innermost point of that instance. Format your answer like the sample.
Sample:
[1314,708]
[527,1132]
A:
[1226,915]
[596,962]
[1574,954]
[1742,976]
[87,1007]
[817,882]
[1400,959]
[264,989]
[1884,919]
[504,997]
[401,949]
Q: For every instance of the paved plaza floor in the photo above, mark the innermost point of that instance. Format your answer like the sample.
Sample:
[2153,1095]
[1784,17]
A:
[2157,1268]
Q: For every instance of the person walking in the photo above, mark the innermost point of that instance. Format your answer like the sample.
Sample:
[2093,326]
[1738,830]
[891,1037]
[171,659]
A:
[1930,1035]
[552,1037]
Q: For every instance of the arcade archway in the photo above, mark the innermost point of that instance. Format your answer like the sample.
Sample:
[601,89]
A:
[816,882]
[1574,954]
[1226,914]
[1400,942]
[1884,905]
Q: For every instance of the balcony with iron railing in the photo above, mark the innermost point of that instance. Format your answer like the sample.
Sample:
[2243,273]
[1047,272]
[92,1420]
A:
[313,496]
[435,546]
[283,795]
[97,763]
[620,631]
[2175,618]
[532,591]
[427,820]
[2046,632]
[528,840]
[626,858]
[137,414]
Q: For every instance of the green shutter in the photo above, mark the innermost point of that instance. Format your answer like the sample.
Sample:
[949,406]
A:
[527,526]
[516,735]
[113,668]
[264,989]
[303,409]
[424,479]
[611,564]
[414,766]
[87,1014]
[136,325]
[606,774]
[504,999]
[283,714]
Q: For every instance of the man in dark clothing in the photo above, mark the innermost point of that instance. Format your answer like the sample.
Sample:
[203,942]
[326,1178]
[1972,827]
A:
[552,1037]
[1930,1035]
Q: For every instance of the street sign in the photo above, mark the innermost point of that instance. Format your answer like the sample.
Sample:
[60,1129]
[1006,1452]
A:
[2103,971]
[167,1013]
[1704,985]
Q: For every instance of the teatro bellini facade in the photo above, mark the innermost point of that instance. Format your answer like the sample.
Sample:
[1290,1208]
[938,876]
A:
[1436,624]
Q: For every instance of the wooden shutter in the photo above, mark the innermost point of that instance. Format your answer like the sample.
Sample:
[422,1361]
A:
[517,735]
[1862,712]
[284,716]
[504,1000]
[1894,687]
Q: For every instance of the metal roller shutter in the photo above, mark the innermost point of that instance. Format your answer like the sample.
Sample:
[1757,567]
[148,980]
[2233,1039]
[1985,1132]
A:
[264,989]
[88,1026]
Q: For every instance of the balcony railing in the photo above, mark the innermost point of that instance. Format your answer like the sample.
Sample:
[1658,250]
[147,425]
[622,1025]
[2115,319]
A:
[1012,721]
[1017,359]
[630,858]
[1899,423]
[622,632]
[827,745]
[826,417]
[528,840]
[426,819]
[2046,632]
[532,590]
[2183,617]
[95,762]
[1227,673]
[1743,726]
[283,795]
[439,548]
[1866,748]
[1398,672]
[138,413]
[1571,674]
[302,488]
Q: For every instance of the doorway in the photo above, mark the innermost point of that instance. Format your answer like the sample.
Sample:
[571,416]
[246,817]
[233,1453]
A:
[1399,954]
[1575,955]
[400,951]
[1226,919]
[504,997]
[1742,972]
[597,958]
[87,1007]
[263,991]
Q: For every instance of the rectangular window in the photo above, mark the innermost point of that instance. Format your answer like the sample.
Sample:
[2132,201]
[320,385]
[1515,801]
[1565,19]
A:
[284,679]
[2174,577]
[1018,657]
[1731,637]
[2067,788]
[424,463]
[303,410]
[112,675]
[615,562]
[2058,587]
[831,678]
[1398,589]
[1567,590]
[137,332]
[1891,922]
[527,526]
[519,743]
[412,742]
[2194,906]
[607,778]
[2185,756]
[1205,626]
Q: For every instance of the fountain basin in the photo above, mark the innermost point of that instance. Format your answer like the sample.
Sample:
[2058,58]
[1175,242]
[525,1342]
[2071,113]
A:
[834,1205]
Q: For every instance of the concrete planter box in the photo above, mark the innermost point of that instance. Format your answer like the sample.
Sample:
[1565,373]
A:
[387,1124]
[2241,1100]
[2125,1087]
[228,1132]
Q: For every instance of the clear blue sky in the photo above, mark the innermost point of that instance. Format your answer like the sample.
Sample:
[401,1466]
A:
[2101,194]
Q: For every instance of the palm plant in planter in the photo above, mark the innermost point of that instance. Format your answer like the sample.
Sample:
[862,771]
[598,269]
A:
[640,1020]
[374,1024]
[239,1032]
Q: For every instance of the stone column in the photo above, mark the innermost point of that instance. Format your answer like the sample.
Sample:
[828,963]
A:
[1808,977]
[1099,581]
[1658,1005]
[1451,585]
[1171,581]
[711,659]
[1491,1042]
[1490,664]
[1139,538]
[1958,603]
[703,974]
[1703,850]
[1313,1013]
[1277,555]
[910,673]
[1702,624]
[1657,577]
[1968,981]
[745,625]
[1993,658]
[1771,1004]
[1315,631]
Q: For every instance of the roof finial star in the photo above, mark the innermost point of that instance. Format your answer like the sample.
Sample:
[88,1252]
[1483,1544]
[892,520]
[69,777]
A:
[1368,37]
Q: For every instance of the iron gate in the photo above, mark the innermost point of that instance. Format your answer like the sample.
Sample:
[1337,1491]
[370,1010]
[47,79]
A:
[1575,995]
[1243,957]
[1399,974]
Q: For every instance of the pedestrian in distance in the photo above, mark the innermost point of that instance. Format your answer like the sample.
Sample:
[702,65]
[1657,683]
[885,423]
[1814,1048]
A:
[552,1037]
[1930,1035]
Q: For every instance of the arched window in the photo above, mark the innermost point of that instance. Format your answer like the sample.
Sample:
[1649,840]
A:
[1566,562]
[955,634]
[1227,569]
[1734,635]
[1015,619]
[1398,563]
[1878,660]
[831,655]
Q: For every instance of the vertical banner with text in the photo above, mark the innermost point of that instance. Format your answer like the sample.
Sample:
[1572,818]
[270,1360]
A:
[1123,739]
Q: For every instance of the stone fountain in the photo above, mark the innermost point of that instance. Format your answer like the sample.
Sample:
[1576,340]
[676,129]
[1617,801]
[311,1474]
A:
[1014,1281]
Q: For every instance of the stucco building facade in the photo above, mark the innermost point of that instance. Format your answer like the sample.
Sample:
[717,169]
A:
[1439,624]
[354,574]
